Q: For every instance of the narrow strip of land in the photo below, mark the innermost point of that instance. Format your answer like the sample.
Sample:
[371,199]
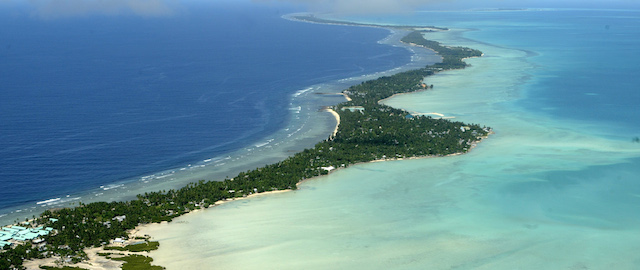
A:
[367,131]
[313,19]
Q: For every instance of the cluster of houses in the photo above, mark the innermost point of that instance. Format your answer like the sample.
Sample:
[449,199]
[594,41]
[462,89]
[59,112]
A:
[17,234]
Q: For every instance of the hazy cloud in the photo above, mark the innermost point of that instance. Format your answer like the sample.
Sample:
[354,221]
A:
[361,6]
[394,6]
[49,9]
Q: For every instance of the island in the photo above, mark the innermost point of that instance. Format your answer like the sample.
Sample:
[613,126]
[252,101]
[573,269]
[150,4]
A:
[310,18]
[367,131]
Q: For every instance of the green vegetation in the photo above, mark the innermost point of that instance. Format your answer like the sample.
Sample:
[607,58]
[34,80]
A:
[60,268]
[146,246]
[12,258]
[314,19]
[137,262]
[374,132]
[451,56]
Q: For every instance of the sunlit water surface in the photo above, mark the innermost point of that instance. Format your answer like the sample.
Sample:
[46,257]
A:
[556,187]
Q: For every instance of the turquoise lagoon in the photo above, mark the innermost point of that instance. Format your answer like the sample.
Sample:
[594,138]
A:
[556,187]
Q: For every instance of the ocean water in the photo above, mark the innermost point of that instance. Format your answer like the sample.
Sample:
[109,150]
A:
[556,187]
[104,107]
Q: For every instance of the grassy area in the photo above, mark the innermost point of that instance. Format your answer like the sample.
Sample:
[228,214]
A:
[138,262]
[147,246]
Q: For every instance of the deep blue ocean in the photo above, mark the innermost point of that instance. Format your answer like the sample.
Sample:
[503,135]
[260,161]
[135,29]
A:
[92,100]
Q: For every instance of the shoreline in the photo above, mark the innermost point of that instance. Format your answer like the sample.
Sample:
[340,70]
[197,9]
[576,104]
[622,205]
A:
[310,18]
[141,228]
[218,167]
[455,220]
[346,96]
[337,116]
[439,115]
[150,227]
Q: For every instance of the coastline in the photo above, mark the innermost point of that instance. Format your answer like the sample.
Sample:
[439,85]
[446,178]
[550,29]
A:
[543,193]
[143,228]
[449,240]
[298,137]
[149,229]
[337,116]
[311,18]
[439,115]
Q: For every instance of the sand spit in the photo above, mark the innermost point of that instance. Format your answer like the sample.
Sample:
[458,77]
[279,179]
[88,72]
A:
[337,116]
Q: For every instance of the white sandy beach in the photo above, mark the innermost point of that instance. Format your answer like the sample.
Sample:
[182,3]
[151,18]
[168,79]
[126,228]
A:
[337,116]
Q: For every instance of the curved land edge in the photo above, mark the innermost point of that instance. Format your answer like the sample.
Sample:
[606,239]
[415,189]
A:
[310,18]
[368,131]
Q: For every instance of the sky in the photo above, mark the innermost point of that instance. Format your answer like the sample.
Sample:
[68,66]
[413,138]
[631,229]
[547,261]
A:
[52,9]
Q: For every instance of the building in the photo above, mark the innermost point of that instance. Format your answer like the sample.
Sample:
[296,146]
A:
[330,168]
[22,234]
[4,243]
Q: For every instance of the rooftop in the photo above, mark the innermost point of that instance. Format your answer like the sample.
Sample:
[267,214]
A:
[18,233]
